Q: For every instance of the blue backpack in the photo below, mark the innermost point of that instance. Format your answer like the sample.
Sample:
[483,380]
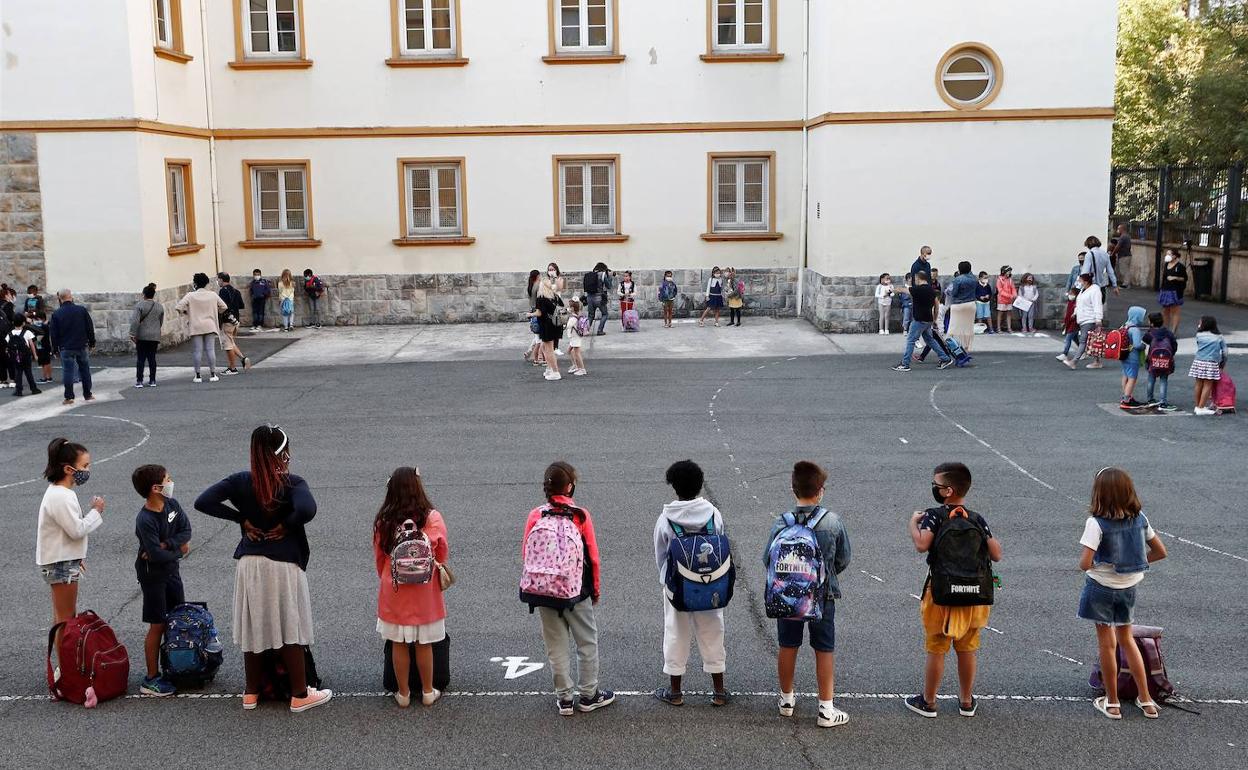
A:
[700,572]
[190,653]
[796,576]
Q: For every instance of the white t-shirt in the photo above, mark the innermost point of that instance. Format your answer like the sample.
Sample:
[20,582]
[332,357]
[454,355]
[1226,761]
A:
[1104,573]
[884,293]
[574,340]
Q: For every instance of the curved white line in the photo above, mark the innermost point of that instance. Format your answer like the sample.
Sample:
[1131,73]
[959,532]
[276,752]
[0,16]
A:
[147,434]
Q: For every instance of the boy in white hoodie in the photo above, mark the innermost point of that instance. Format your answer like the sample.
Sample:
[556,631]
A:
[690,512]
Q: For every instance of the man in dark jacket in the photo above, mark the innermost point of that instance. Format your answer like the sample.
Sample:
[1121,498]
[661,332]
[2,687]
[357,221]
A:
[73,334]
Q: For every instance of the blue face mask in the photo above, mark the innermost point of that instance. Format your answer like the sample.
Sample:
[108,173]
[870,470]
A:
[81,476]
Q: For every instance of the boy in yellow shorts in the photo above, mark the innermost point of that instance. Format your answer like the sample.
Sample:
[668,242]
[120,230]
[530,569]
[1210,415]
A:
[943,625]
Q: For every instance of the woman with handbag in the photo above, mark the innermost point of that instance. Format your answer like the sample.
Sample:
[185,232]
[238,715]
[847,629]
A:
[145,326]
[410,550]
[272,606]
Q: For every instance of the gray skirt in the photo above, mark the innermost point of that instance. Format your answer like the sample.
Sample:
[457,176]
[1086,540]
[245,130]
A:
[271,605]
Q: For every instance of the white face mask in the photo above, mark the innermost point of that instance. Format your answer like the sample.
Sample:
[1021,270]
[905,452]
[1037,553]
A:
[166,489]
[552,273]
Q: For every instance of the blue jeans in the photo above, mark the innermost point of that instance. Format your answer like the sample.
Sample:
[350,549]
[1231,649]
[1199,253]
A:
[257,312]
[600,304]
[921,329]
[1071,339]
[314,313]
[907,315]
[75,364]
[1155,380]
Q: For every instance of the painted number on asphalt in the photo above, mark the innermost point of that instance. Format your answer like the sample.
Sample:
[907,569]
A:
[517,667]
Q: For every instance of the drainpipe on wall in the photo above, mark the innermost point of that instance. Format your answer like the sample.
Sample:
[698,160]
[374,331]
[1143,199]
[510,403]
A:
[212,141]
[804,219]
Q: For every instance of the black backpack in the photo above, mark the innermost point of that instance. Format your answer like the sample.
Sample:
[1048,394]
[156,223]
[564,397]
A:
[18,348]
[960,569]
[591,284]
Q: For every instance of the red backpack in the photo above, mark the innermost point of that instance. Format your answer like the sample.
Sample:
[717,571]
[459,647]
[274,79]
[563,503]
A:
[95,667]
[1118,344]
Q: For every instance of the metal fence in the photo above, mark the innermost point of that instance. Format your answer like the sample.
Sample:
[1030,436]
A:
[1188,207]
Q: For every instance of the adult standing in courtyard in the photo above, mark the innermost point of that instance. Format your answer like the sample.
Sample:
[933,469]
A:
[922,265]
[925,304]
[550,328]
[961,294]
[1098,264]
[1173,284]
[146,321]
[233,299]
[72,332]
[1120,255]
[203,308]
[272,606]
[597,285]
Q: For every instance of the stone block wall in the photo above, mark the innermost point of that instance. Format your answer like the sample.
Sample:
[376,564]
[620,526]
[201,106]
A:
[21,219]
[846,304]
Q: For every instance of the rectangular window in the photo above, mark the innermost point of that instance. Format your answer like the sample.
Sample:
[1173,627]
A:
[428,28]
[279,201]
[584,26]
[742,25]
[587,197]
[271,28]
[741,191]
[164,27]
[433,200]
[180,199]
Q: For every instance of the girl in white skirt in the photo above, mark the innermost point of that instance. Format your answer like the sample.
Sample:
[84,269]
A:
[410,610]
[272,609]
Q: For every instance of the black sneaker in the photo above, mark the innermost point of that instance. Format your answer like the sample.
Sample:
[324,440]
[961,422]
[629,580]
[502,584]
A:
[901,368]
[921,707]
[601,699]
[968,711]
[1166,406]
[1152,403]
[945,364]
[565,707]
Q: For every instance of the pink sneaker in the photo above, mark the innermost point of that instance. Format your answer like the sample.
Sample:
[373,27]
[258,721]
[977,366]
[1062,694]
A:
[313,699]
[250,702]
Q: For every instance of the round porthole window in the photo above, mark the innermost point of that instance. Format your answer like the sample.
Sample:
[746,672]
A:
[969,76]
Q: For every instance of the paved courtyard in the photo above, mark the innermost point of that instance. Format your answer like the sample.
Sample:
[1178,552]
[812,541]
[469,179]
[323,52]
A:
[458,402]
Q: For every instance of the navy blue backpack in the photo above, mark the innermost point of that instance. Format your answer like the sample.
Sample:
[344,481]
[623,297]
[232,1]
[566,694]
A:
[190,653]
[700,572]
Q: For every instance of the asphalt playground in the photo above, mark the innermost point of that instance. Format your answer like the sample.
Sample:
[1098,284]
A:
[482,431]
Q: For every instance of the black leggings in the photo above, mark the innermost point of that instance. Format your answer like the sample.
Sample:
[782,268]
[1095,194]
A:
[146,354]
[734,315]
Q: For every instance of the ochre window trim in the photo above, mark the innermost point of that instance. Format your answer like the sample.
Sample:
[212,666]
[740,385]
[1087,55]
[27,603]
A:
[188,205]
[771,54]
[998,75]
[251,241]
[407,239]
[241,60]
[555,56]
[399,59]
[604,237]
[770,234]
[176,50]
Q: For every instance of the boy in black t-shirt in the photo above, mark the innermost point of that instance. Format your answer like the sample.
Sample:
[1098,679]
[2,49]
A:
[164,533]
[924,297]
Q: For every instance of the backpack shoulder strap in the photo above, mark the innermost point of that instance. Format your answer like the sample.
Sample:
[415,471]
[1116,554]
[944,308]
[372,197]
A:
[789,519]
[816,516]
[679,530]
[956,511]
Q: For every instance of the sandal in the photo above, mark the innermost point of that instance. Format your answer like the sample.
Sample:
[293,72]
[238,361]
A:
[667,696]
[719,698]
[1145,705]
[1103,705]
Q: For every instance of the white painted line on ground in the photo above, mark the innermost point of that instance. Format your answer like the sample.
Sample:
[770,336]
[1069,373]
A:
[1063,657]
[873,577]
[147,434]
[913,596]
[1202,546]
[902,440]
[995,631]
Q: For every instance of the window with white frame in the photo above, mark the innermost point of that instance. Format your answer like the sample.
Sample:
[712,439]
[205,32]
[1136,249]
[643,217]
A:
[587,196]
[428,27]
[164,24]
[179,235]
[279,205]
[271,28]
[584,26]
[742,25]
[741,195]
[968,77]
[434,200]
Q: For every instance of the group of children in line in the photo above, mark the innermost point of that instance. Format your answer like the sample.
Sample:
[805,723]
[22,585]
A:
[995,303]
[807,548]
[24,341]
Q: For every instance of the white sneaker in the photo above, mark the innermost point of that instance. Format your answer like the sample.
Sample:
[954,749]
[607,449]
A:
[579,372]
[832,717]
[197,379]
[1060,356]
[787,704]
[430,698]
[552,375]
[1200,410]
[214,378]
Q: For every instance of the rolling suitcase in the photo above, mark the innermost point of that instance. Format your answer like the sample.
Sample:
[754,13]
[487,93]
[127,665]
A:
[441,668]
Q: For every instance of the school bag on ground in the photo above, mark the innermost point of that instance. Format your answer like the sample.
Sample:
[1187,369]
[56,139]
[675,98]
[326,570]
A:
[960,357]
[960,574]
[1224,394]
[95,667]
[796,575]
[554,561]
[630,320]
[190,652]
[1148,639]
[1161,357]
[1118,344]
[275,681]
[411,558]
[441,668]
[700,572]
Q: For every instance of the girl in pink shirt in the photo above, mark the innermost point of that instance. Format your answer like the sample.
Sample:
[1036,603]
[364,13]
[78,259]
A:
[1006,292]
[409,614]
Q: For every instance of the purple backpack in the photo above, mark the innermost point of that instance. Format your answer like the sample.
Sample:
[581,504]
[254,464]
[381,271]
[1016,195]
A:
[554,561]
[411,559]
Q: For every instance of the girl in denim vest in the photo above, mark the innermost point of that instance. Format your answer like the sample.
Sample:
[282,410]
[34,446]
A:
[1118,545]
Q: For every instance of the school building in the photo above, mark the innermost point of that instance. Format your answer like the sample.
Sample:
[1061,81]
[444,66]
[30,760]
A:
[424,155]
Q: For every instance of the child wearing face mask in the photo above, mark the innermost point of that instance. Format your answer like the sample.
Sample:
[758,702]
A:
[1070,325]
[884,300]
[164,533]
[1028,290]
[983,302]
[714,296]
[1006,292]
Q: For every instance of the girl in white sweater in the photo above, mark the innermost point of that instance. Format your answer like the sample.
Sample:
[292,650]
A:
[61,542]
[884,300]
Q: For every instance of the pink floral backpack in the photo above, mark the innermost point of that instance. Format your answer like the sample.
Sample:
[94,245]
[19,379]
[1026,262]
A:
[554,561]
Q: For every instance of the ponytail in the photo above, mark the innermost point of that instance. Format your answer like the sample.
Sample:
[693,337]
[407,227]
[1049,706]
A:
[558,477]
[61,452]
